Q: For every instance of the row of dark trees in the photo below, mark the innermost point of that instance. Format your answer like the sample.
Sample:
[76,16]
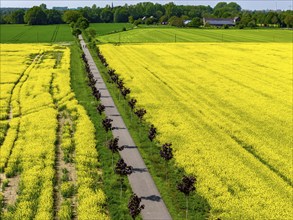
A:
[121,168]
[149,13]
[37,15]
[186,186]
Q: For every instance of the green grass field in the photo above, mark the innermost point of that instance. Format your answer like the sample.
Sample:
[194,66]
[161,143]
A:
[162,35]
[17,33]
[107,28]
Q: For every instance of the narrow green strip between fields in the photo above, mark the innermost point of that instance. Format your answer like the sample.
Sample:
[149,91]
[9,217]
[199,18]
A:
[117,207]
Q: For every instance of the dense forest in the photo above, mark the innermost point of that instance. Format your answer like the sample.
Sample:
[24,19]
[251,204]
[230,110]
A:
[148,13]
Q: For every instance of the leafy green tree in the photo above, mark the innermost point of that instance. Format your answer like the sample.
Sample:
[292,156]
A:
[54,17]
[252,24]
[224,10]
[289,20]
[220,5]
[76,31]
[121,15]
[43,6]
[2,21]
[275,19]
[6,19]
[17,17]
[106,15]
[91,14]
[130,19]
[164,18]
[35,16]
[176,21]
[92,32]
[158,14]
[169,9]
[269,17]
[245,19]
[71,16]
[195,22]
[137,22]
[82,23]
[234,6]
[150,20]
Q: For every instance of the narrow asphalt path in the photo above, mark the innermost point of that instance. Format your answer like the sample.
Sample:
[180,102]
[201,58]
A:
[140,180]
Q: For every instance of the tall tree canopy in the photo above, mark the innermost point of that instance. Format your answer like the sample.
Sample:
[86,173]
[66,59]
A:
[35,15]
[17,17]
[149,13]
[54,17]
[71,16]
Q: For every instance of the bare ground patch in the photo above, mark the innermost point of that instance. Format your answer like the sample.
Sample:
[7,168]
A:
[65,170]
[10,189]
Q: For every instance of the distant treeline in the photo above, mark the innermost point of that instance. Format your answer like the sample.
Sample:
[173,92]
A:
[149,13]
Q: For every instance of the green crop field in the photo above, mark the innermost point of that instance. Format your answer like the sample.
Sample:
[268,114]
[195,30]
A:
[107,28]
[17,33]
[159,35]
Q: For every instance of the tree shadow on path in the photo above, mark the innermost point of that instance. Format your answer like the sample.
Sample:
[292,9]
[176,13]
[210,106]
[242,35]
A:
[152,198]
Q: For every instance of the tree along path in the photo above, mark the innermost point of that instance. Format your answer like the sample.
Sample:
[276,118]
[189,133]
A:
[140,180]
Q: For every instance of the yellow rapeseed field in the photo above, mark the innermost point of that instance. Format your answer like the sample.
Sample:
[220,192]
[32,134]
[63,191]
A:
[35,94]
[227,109]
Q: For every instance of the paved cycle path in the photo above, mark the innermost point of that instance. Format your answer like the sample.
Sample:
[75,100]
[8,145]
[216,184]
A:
[140,180]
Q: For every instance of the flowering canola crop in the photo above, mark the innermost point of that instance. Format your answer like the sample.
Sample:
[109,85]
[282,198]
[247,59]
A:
[36,91]
[227,109]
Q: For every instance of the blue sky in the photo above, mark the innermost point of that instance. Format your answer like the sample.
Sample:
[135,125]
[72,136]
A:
[245,4]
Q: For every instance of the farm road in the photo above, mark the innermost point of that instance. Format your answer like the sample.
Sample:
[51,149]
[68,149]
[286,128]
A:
[140,180]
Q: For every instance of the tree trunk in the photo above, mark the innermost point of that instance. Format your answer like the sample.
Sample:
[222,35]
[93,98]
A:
[186,215]
[166,169]
[124,104]
[121,185]
[112,160]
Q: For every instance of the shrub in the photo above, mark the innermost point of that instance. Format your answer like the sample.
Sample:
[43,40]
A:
[225,26]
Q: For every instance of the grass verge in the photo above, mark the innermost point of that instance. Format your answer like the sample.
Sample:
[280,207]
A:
[79,82]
